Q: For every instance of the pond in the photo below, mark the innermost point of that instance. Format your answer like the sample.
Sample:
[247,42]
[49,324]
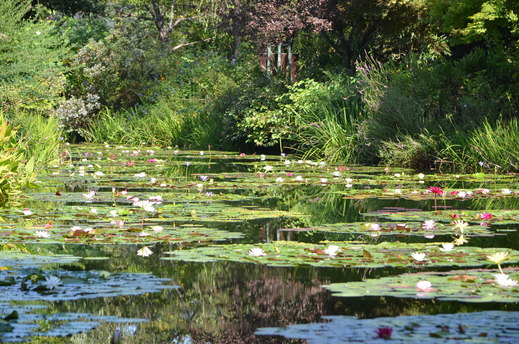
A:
[149,245]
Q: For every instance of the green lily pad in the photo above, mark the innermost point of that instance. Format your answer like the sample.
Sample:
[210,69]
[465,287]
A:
[59,285]
[477,327]
[501,217]
[386,254]
[463,285]
[30,317]
[393,228]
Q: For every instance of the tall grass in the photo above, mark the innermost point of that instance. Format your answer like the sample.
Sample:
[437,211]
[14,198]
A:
[491,147]
[329,134]
[41,137]
[496,145]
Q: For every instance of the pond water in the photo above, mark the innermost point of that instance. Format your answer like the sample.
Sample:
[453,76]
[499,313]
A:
[150,245]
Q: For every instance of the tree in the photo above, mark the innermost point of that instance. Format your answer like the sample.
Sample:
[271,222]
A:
[349,27]
[31,69]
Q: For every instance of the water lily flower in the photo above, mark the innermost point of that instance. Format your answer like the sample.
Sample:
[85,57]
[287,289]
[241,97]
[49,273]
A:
[462,194]
[257,252]
[157,229]
[336,174]
[143,234]
[140,175]
[447,247]
[429,236]
[299,178]
[268,168]
[506,191]
[349,180]
[153,180]
[332,250]
[423,285]
[263,157]
[279,179]
[42,234]
[384,332]
[287,162]
[209,194]
[27,211]
[429,224]
[144,252]
[147,206]
[486,216]
[200,186]
[421,176]
[418,256]
[51,282]
[99,174]
[398,191]
[435,190]
[459,224]
[89,195]
[460,240]
[498,258]
[187,163]
[324,180]
[204,178]
[374,226]
[113,213]
[504,280]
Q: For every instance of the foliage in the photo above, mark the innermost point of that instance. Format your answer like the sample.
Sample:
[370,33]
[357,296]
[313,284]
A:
[15,172]
[31,55]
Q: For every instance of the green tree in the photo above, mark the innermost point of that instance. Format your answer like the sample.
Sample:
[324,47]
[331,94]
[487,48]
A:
[31,69]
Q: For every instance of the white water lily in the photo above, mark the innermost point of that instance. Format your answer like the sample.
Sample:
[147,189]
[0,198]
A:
[257,252]
[459,224]
[299,178]
[89,195]
[374,226]
[144,252]
[429,224]
[332,250]
[268,168]
[336,173]
[99,174]
[324,180]
[504,280]
[423,285]
[27,212]
[157,229]
[447,247]
[263,157]
[279,179]
[42,234]
[51,282]
[506,191]
[421,175]
[418,256]
[140,175]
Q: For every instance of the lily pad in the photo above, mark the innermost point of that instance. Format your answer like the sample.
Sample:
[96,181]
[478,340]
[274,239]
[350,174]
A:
[393,228]
[386,254]
[477,327]
[30,317]
[463,285]
[59,285]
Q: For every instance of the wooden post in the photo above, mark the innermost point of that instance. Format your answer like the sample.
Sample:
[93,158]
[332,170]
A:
[289,48]
[279,58]
[269,54]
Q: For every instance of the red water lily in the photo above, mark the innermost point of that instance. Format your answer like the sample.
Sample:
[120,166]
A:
[384,332]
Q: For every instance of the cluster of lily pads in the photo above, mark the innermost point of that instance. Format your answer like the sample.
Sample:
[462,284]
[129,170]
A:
[144,196]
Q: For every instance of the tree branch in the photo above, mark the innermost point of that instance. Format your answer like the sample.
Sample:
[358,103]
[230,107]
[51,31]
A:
[190,43]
